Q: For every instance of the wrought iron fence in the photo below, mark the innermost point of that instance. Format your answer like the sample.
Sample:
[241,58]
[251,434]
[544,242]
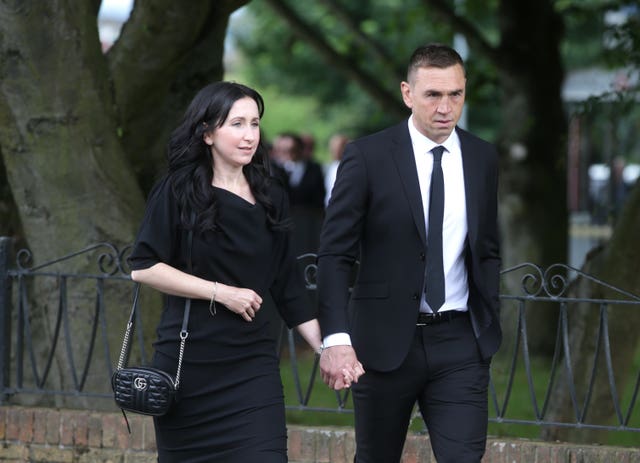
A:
[519,372]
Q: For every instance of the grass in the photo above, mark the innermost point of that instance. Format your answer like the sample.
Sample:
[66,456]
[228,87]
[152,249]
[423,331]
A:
[520,403]
[321,396]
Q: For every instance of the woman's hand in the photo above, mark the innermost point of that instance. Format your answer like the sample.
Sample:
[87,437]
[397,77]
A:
[340,367]
[245,302]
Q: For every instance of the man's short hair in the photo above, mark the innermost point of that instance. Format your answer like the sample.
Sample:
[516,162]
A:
[435,55]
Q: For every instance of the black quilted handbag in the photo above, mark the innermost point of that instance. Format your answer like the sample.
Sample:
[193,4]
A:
[144,390]
[141,389]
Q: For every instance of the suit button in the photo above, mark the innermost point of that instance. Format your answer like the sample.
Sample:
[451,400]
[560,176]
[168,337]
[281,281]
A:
[422,256]
[415,296]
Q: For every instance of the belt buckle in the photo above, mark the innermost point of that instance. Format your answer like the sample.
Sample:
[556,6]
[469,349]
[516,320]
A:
[429,318]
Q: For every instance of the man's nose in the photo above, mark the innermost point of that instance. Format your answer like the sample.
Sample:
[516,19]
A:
[444,105]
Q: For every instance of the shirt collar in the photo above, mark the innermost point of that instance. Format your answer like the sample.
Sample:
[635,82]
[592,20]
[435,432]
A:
[422,144]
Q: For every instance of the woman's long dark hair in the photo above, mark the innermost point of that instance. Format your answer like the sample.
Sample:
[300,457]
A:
[191,162]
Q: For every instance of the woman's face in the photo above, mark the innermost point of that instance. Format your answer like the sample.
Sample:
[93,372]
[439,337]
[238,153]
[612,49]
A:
[235,142]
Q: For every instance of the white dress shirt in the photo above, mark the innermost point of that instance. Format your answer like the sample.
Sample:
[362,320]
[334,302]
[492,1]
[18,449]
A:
[329,179]
[454,226]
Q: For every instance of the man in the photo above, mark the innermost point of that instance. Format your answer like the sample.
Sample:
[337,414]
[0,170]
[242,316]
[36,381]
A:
[337,143]
[305,182]
[423,314]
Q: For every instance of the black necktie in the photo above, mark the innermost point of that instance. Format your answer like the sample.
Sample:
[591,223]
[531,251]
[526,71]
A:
[434,286]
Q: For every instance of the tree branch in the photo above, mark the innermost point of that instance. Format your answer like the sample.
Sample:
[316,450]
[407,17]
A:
[466,28]
[366,81]
[183,46]
[162,39]
[369,43]
[164,32]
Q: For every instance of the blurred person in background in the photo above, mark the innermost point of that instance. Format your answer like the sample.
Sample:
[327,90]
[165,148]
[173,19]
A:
[336,147]
[306,190]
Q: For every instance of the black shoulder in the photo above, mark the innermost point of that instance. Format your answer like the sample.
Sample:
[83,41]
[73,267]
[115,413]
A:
[468,137]
[395,134]
[162,187]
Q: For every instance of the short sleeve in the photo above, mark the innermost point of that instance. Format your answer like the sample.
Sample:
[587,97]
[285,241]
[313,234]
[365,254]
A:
[157,237]
[288,291]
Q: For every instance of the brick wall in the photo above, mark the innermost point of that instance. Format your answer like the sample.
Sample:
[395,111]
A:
[72,436]
[41,435]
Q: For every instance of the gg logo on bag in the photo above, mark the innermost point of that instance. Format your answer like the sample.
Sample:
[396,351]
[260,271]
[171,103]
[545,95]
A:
[140,383]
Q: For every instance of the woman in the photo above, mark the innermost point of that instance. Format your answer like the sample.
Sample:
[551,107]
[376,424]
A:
[231,405]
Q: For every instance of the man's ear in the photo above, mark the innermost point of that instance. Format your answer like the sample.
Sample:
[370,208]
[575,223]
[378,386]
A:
[405,90]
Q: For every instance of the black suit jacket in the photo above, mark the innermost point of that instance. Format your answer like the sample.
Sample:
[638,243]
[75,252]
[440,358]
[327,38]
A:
[310,191]
[375,215]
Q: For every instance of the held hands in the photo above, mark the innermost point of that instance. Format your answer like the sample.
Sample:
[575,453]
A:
[340,367]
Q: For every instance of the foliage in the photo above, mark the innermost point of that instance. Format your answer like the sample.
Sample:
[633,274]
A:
[613,116]
[519,54]
[597,36]
[379,35]
[375,34]
[285,112]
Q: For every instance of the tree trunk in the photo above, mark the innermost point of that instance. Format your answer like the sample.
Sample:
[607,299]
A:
[63,160]
[73,125]
[64,163]
[533,143]
[615,264]
[168,50]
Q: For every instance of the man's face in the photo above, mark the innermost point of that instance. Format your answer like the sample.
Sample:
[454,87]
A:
[436,98]
[283,148]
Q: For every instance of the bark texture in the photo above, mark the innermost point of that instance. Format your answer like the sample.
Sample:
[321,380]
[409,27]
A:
[82,137]
[533,144]
[616,264]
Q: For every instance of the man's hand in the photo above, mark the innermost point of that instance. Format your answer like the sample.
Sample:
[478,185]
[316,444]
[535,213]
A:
[340,367]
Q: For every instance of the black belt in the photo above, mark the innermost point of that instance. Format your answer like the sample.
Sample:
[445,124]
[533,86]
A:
[425,319]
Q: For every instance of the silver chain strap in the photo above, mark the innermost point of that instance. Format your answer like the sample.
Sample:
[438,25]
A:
[125,347]
[183,337]
[184,334]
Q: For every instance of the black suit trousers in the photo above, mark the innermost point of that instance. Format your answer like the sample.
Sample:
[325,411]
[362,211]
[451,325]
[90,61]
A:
[448,378]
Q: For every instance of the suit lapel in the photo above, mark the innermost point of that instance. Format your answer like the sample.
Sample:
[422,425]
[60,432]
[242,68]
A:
[472,167]
[402,153]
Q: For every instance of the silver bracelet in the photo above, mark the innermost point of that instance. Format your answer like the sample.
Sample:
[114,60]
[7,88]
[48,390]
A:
[212,302]
[320,349]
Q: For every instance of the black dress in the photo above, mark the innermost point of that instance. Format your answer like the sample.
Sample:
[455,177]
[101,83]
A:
[231,405]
